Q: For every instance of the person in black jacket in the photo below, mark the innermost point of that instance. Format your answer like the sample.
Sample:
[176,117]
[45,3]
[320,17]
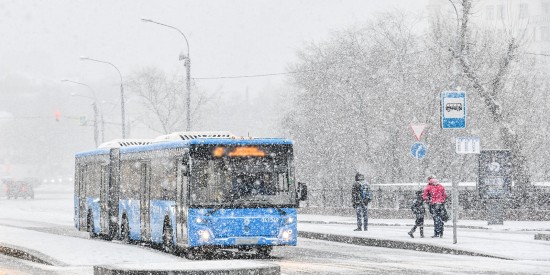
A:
[419,211]
[360,198]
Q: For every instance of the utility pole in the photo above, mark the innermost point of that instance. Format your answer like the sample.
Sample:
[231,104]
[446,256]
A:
[187,63]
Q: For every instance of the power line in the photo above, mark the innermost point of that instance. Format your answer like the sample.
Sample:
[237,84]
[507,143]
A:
[250,76]
[543,54]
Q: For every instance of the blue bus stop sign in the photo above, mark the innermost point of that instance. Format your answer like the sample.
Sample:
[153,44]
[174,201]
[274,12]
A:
[418,150]
[453,110]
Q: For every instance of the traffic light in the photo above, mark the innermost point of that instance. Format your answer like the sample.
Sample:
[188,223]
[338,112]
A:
[57,115]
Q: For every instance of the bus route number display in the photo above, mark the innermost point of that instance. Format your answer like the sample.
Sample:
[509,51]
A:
[242,151]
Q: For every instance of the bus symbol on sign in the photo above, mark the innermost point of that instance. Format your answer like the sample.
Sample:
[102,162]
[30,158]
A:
[453,106]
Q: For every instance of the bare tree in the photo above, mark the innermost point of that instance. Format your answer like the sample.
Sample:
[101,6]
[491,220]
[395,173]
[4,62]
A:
[161,97]
[492,89]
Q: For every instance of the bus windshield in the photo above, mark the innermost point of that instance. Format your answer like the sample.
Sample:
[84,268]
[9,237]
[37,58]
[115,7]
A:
[234,181]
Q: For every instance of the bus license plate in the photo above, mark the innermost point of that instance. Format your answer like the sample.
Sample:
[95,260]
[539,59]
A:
[246,241]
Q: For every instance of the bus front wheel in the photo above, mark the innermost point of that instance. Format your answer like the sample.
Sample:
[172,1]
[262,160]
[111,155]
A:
[125,230]
[167,244]
[90,224]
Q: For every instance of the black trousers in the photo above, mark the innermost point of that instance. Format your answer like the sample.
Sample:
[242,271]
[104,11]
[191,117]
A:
[419,222]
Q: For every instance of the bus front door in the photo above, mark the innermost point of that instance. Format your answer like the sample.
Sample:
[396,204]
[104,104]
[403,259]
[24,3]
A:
[82,170]
[104,199]
[181,209]
[145,192]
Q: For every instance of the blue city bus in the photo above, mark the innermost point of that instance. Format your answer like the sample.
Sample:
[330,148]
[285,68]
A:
[190,191]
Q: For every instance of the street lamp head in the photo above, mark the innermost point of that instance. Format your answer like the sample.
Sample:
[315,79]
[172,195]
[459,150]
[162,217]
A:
[183,56]
[146,20]
[83,57]
[64,80]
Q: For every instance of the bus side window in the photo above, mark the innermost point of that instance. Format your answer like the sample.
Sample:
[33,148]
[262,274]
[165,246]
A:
[182,180]
[200,181]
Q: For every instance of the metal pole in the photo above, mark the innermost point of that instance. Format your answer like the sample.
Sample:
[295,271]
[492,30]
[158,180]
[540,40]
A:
[122,108]
[455,209]
[121,91]
[455,183]
[96,134]
[102,128]
[94,106]
[187,64]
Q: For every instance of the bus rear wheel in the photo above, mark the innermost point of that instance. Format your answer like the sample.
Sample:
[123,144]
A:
[167,244]
[264,251]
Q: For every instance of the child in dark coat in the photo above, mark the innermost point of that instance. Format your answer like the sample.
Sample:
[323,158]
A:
[419,211]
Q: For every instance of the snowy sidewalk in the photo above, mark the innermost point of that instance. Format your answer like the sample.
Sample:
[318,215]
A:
[513,240]
[76,255]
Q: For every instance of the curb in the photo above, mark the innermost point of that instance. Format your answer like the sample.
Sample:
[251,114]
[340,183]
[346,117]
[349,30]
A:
[542,237]
[212,268]
[29,255]
[392,244]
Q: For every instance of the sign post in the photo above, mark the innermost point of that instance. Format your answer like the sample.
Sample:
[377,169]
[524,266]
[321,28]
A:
[453,116]
[418,149]
[464,145]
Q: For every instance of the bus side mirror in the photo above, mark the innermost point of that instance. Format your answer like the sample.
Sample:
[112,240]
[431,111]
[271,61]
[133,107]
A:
[302,191]
[185,170]
[185,163]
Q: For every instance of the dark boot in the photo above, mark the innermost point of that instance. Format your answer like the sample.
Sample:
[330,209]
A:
[357,229]
[411,234]
[421,232]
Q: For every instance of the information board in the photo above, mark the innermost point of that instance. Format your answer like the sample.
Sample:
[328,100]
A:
[495,174]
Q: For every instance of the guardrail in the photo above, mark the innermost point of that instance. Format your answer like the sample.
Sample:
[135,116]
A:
[401,197]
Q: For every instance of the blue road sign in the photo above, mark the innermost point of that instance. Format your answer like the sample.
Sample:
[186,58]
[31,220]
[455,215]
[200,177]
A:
[418,150]
[453,110]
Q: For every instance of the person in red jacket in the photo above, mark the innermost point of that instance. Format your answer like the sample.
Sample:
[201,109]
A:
[435,195]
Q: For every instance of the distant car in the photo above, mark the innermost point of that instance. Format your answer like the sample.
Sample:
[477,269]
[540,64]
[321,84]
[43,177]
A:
[16,189]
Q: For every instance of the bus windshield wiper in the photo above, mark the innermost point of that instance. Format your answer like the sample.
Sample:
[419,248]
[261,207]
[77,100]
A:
[213,210]
[231,203]
[268,203]
[263,201]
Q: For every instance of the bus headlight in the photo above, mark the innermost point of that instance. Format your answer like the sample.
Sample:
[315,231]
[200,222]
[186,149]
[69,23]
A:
[200,220]
[204,235]
[287,235]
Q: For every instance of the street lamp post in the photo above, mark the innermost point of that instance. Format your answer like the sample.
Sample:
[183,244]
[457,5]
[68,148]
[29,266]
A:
[94,106]
[187,64]
[121,91]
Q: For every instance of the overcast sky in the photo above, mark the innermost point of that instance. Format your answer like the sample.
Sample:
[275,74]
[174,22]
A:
[43,40]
